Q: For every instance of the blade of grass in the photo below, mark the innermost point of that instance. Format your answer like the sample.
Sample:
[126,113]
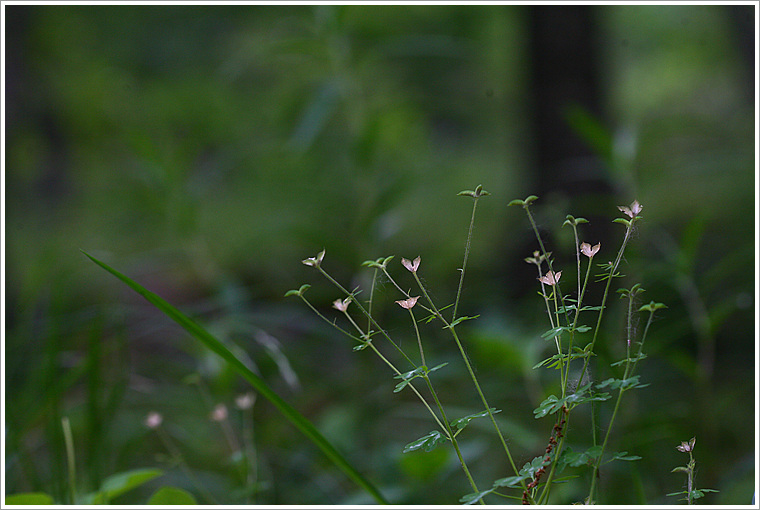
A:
[212,343]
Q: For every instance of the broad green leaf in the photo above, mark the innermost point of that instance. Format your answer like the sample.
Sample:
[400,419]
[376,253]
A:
[116,485]
[462,422]
[172,496]
[215,345]
[29,498]
[426,442]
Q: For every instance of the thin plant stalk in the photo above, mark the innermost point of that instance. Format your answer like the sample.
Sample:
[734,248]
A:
[472,375]
[385,360]
[70,458]
[610,276]
[466,256]
[366,313]
[629,366]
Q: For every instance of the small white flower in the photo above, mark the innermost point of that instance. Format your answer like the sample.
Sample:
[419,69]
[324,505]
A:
[411,265]
[687,447]
[551,278]
[342,306]
[315,261]
[408,303]
[632,211]
[589,250]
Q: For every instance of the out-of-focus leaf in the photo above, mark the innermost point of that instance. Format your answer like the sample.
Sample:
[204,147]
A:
[172,496]
[215,345]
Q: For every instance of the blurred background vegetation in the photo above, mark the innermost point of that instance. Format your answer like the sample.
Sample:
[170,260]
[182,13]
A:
[205,151]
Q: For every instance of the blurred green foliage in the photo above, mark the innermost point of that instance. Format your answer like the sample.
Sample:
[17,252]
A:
[205,151]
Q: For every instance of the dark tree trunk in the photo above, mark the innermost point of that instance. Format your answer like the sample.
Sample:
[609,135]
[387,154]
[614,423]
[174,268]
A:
[564,78]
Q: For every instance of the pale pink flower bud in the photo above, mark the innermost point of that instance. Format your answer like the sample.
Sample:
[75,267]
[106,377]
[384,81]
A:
[687,447]
[589,250]
[408,303]
[245,401]
[341,306]
[632,211]
[153,420]
[411,265]
[551,278]
[219,413]
[315,261]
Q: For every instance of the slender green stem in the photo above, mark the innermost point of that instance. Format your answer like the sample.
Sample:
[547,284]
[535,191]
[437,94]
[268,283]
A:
[419,340]
[610,276]
[452,436]
[445,426]
[402,291]
[472,375]
[179,460]
[690,479]
[371,296]
[366,313]
[466,256]
[249,449]
[629,368]
[546,256]
[366,340]
[414,389]
[70,459]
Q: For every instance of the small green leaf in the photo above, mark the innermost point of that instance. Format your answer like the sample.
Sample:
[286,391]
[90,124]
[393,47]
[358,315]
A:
[698,493]
[530,468]
[510,481]
[622,220]
[551,333]
[426,442]
[379,263]
[680,469]
[552,404]
[29,498]
[624,456]
[639,356]
[479,192]
[298,292]
[625,384]
[172,496]
[462,422]
[474,497]
[460,319]
[524,203]
[651,307]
